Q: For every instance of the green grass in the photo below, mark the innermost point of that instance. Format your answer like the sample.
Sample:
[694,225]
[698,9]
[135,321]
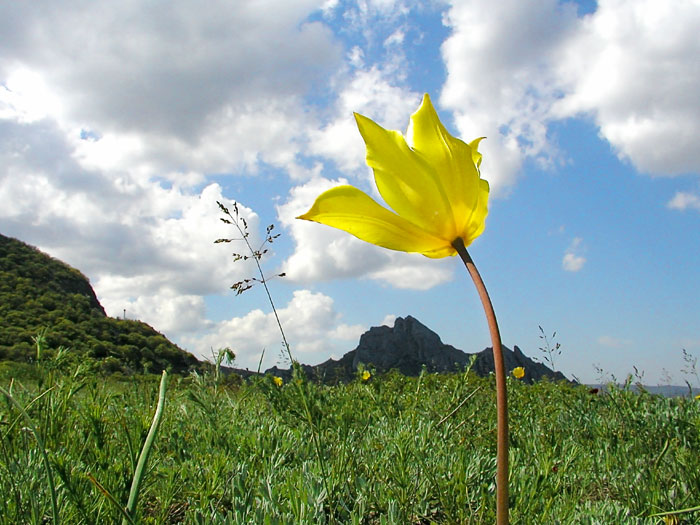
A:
[395,450]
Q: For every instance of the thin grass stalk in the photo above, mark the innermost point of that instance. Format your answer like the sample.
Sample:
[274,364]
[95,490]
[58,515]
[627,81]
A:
[42,449]
[315,432]
[501,394]
[675,512]
[107,494]
[146,450]
[263,280]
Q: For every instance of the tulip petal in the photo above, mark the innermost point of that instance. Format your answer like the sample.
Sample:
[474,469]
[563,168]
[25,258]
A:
[476,156]
[353,211]
[408,184]
[454,160]
[475,224]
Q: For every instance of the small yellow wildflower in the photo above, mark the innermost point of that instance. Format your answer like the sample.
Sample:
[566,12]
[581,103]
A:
[518,372]
[366,375]
[697,397]
[277,380]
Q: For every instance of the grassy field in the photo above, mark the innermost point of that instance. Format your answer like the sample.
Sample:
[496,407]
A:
[387,450]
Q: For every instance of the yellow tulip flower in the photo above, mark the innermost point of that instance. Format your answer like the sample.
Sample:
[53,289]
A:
[430,179]
[518,372]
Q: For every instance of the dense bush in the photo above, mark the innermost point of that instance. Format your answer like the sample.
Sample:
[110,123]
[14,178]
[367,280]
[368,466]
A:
[39,293]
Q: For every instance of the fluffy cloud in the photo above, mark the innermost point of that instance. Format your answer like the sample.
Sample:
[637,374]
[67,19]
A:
[514,67]
[373,92]
[313,328]
[172,312]
[171,93]
[135,67]
[500,81]
[573,261]
[684,200]
[111,118]
[633,66]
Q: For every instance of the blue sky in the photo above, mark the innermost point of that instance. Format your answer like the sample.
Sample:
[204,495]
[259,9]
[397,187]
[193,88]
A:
[122,125]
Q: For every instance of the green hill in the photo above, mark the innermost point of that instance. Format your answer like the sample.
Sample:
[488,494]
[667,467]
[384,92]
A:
[39,292]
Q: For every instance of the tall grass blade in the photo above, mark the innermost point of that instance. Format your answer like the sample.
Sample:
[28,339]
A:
[42,449]
[145,452]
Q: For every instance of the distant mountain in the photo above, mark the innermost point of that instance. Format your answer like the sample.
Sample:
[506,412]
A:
[657,390]
[39,292]
[408,347]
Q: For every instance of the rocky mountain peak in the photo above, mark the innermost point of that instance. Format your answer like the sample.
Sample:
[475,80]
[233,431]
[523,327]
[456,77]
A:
[409,346]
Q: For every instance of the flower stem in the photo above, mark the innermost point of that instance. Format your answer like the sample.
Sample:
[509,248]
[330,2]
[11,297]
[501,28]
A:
[501,395]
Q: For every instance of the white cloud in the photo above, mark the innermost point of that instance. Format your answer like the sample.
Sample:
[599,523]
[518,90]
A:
[135,67]
[395,39]
[572,261]
[312,326]
[683,200]
[374,93]
[500,81]
[172,312]
[388,320]
[178,91]
[515,67]
[25,97]
[633,66]
[414,272]
[236,139]
[107,135]
[613,342]
[348,332]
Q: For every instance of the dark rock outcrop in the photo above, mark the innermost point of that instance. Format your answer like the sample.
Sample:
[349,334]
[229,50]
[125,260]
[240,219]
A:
[534,371]
[408,347]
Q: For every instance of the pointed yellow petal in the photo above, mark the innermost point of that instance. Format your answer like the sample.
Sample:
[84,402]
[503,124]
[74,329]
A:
[474,224]
[476,156]
[451,157]
[408,184]
[457,165]
[351,210]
